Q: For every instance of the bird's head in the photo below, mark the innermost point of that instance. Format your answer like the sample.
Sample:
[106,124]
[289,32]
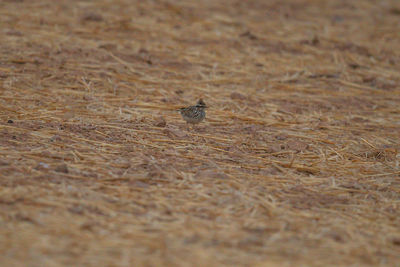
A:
[201,104]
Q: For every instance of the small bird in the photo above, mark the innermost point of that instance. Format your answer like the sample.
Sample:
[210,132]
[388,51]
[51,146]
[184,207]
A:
[194,114]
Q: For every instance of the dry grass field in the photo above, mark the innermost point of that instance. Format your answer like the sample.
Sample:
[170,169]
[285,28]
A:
[296,164]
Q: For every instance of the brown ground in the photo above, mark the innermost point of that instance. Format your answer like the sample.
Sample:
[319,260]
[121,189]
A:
[296,164]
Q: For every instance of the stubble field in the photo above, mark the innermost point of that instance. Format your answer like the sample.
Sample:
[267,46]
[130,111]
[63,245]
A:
[296,164]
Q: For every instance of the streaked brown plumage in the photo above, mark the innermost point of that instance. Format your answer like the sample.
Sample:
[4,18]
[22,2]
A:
[194,114]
